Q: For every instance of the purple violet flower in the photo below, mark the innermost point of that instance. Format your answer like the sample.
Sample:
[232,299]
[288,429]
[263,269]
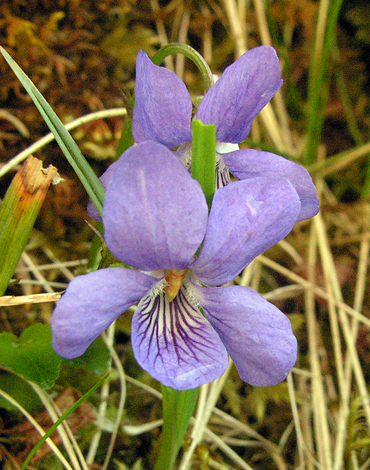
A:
[163,113]
[156,219]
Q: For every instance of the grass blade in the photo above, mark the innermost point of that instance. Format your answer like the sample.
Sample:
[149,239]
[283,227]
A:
[69,147]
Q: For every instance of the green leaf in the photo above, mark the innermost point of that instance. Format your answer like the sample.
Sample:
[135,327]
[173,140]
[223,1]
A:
[31,356]
[69,147]
[20,391]
[96,358]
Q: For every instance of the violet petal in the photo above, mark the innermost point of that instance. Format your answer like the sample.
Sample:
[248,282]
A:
[244,89]
[175,343]
[155,214]
[249,163]
[247,217]
[256,334]
[91,303]
[163,105]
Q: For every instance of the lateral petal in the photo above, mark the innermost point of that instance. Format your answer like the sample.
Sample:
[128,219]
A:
[250,163]
[163,106]
[175,343]
[247,217]
[155,214]
[244,89]
[256,334]
[91,303]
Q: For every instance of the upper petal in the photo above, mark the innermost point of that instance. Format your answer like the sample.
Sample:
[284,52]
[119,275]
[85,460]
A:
[175,343]
[154,214]
[245,87]
[249,163]
[256,334]
[91,303]
[246,218]
[163,105]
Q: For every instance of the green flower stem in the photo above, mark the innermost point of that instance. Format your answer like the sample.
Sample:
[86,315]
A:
[190,53]
[178,406]
[203,161]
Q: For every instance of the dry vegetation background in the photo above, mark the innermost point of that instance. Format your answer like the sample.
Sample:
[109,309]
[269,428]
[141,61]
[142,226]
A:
[81,55]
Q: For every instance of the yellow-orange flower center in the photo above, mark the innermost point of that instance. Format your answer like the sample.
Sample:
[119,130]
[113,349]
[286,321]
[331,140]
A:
[174,279]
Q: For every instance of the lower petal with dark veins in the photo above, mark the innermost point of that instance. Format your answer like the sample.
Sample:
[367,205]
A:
[175,343]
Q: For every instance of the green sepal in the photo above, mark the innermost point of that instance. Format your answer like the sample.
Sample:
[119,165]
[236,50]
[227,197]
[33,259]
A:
[203,160]
[126,140]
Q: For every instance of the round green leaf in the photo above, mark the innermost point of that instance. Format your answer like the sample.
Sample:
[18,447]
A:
[20,391]
[96,358]
[31,356]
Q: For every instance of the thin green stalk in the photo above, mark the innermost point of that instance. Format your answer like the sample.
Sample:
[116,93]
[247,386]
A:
[190,53]
[38,428]
[60,420]
[348,108]
[319,80]
[352,125]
